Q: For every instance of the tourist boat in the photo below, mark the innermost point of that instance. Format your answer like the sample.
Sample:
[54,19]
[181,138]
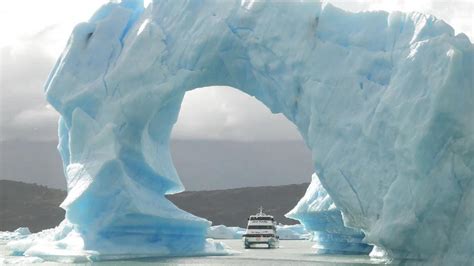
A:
[261,229]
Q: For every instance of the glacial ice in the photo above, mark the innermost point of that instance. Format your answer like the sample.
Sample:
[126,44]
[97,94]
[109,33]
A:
[20,260]
[285,232]
[224,232]
[319,214]
[292,232]
[19,233]
[385,101]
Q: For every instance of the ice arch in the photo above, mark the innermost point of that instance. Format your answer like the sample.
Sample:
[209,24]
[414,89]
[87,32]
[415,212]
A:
[385,102]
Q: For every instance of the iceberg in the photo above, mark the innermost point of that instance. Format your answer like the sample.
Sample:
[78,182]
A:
[19,233]
[284,232]
[224,232]
[385,101]
[318,213]
[292,232]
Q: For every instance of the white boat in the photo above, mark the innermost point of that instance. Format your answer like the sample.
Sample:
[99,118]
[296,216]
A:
[261,229]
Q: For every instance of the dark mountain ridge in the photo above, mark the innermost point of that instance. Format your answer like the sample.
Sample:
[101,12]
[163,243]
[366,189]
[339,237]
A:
[37,207]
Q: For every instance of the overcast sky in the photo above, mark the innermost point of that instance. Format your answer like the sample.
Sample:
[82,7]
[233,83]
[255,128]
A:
[35,32]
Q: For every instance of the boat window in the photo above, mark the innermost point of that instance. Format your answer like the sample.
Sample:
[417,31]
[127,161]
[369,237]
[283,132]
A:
[261,218]
[259,235]
[260,227]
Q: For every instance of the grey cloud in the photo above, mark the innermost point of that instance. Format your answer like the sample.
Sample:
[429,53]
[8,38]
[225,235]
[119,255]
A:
[206,113]
[226,113]
[24,68]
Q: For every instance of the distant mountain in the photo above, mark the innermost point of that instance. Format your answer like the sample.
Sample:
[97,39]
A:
[30,205]
[201,164]
[37,207]
[232,207]
[32,162]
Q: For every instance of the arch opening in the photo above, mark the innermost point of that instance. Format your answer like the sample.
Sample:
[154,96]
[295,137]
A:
[226,140]
[322,220]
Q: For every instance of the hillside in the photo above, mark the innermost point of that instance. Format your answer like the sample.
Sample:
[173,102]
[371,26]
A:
[36,207]
[29,205]
[232,207]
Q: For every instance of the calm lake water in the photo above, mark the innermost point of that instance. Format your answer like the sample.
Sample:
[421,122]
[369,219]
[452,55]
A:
[291,252]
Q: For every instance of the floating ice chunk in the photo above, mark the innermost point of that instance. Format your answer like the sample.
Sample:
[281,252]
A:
[317,212]
[64,244]
[292,232]
[22,231]
[20,260]
[19,233]
[285,232]
[224,232]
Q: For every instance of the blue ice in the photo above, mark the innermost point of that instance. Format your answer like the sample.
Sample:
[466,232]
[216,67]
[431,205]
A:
[385,101]
[319,214]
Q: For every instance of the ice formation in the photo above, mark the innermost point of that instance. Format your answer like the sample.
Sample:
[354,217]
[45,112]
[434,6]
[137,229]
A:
[20,260]
[19,233]
[224,232]
[285,232]
[384,100]
[292,232]
[318,213]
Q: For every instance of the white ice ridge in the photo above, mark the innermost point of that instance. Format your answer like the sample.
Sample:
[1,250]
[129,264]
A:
[284,232]
[384,100]
[319,214]
[21,232]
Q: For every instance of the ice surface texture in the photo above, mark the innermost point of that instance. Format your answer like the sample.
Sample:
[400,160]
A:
[384,101]
[224,232]
[292,232]
[19,233]
[319,214]
[285,232]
